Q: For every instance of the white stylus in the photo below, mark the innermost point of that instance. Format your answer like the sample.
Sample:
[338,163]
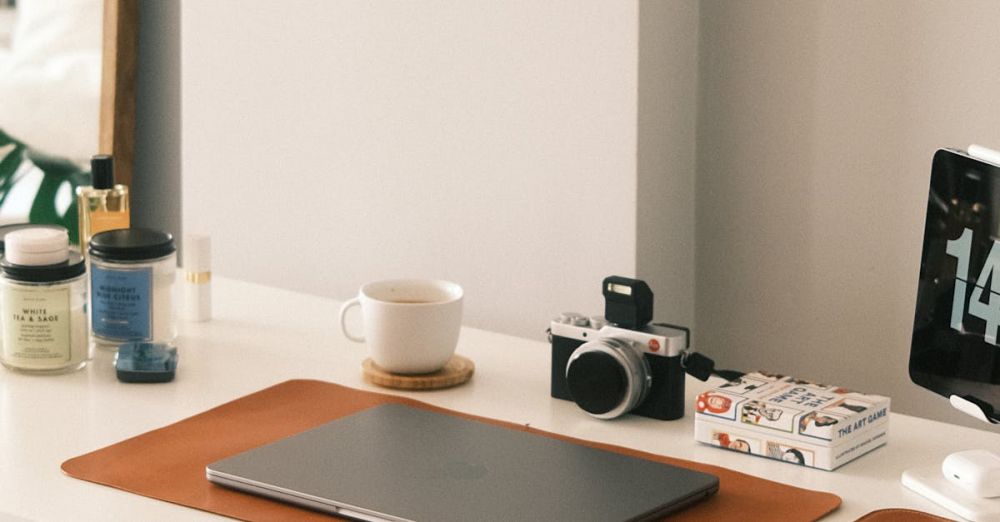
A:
[983,153]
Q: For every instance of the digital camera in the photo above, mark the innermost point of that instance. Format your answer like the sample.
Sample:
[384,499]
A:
[619,363]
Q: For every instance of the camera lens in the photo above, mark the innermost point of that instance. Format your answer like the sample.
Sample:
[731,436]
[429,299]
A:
[597,382]
[607,377]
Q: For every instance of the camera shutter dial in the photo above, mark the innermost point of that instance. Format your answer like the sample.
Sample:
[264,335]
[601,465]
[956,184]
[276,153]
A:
[572,318]
[607,377]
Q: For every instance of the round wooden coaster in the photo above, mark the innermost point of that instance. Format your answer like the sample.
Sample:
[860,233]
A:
[458,370]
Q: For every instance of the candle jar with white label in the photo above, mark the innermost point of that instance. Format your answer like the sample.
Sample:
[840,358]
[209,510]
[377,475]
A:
[132,273]
[43,293]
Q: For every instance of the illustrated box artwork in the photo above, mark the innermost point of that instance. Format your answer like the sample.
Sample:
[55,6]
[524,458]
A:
[792,420]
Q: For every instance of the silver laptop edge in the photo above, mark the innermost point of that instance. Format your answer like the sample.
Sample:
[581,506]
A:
[334,508]
[301,499]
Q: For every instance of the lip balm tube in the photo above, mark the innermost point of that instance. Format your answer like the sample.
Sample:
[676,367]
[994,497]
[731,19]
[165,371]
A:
[197,277]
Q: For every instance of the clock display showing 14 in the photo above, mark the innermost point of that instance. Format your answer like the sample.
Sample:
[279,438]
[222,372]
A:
[990,312]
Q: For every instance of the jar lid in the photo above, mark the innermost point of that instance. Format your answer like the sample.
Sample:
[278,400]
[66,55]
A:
[37,246]
[7,229]
[73,266]
[132,244]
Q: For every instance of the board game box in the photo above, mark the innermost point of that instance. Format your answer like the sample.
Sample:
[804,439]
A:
[789,419]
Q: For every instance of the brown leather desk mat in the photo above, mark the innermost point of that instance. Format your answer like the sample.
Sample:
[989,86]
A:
[169,463]
[901,515]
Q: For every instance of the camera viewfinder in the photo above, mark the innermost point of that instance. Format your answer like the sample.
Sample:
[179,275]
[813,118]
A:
[628,303]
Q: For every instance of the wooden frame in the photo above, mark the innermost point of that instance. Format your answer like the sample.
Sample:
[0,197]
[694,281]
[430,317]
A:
[118,85]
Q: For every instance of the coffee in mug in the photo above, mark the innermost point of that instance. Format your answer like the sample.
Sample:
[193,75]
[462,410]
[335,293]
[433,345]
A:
[410,325]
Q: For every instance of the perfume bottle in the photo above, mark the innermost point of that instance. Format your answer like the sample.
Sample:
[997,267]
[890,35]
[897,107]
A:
[103,205]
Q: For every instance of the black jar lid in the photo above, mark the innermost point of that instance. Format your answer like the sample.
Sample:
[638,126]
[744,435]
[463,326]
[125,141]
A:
[132,244]
[7,229]
[72,267]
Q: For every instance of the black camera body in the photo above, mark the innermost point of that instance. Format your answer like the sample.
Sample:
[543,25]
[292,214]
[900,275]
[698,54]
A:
[610,369]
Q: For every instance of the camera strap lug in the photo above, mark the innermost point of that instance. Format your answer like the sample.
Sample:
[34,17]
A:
[697,365]
[701,367]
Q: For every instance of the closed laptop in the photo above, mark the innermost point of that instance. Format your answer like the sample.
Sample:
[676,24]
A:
[396,463]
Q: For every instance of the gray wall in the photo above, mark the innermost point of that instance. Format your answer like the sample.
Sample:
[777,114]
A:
[816,127]
[665,210]
[156,186]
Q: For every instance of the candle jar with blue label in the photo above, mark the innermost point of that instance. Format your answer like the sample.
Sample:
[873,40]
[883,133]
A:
[132,274]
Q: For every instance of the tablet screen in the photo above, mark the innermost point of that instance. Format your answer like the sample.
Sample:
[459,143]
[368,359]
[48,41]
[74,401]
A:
[954,350]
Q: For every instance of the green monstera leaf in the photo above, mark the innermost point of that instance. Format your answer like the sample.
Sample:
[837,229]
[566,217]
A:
[11,157]
[56,172]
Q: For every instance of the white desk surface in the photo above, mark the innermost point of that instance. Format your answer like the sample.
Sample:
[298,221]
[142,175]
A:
[262,336]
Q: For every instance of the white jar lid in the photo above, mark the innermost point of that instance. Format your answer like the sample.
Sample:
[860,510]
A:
[37,246]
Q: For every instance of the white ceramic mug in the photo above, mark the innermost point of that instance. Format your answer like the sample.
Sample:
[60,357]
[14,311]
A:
[410,325]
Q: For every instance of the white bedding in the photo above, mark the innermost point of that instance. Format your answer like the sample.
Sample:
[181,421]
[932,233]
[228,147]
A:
[50,76]
[7,17]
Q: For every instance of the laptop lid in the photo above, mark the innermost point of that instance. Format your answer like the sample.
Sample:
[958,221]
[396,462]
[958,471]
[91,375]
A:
[393,462]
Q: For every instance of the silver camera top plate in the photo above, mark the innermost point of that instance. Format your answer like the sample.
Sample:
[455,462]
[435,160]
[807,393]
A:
[655,340]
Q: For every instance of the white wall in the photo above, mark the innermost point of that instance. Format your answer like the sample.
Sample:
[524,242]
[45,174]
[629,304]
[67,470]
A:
[816,127]
[494,144]
[527,149]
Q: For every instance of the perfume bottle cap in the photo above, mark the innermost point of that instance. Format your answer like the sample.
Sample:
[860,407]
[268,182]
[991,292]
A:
[102,168]
[197,253]
[37,246]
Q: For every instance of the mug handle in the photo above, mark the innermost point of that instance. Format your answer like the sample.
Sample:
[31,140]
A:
[343,320]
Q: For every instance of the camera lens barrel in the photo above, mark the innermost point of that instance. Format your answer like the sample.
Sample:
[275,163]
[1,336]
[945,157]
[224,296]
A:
[608,377]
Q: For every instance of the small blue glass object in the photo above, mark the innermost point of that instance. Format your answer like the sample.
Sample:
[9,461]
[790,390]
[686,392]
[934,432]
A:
[146,362]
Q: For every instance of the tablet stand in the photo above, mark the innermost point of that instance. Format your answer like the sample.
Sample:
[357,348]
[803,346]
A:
[931,482]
